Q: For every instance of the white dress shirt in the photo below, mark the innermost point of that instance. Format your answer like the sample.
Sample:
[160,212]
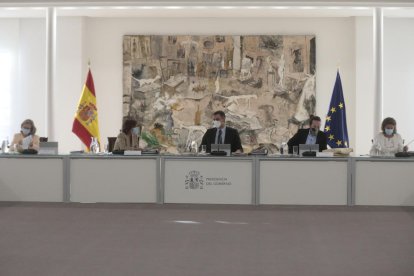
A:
[223,135]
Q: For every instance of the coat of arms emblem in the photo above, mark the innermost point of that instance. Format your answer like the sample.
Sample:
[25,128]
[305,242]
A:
[87,112]
[194,180]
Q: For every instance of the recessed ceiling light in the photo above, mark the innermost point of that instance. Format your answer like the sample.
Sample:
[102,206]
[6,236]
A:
[280,8]
[146,7]
[173,7]
[68,8]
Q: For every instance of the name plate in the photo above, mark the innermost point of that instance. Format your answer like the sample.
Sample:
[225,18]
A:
[46,151]
[132,152]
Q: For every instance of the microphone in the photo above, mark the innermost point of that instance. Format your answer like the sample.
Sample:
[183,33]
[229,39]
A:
[409,143]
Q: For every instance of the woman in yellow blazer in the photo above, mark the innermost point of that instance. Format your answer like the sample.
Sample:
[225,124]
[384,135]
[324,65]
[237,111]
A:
[26,138]
[128,138]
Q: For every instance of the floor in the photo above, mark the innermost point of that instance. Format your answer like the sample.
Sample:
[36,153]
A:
[148,239]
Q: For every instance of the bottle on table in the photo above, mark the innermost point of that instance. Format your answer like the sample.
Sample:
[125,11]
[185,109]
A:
[94,147]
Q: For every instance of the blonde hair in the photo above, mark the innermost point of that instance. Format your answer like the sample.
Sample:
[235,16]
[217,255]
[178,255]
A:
[31,123]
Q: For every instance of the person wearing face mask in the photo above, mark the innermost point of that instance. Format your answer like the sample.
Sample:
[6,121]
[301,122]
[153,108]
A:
[222,134]
[311,135]
[128,139]
[26,139]
[388,142]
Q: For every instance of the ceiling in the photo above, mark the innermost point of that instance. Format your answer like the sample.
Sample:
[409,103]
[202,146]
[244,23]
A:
[212,3]
[203,11]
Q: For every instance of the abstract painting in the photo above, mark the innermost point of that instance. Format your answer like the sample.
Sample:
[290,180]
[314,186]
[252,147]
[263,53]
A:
[173,84]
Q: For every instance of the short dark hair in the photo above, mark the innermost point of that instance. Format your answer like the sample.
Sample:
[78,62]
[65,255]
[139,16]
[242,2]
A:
[221,113]
[128,125]
[389,121]
[314,118]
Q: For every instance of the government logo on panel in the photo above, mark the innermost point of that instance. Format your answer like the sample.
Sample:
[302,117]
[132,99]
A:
[194,180]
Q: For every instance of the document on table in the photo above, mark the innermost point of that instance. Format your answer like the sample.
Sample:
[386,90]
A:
[26,142]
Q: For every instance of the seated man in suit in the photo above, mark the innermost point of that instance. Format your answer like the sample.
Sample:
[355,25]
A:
[222,134]
[310,135]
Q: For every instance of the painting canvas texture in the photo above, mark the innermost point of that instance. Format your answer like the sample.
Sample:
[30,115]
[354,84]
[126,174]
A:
[173,84]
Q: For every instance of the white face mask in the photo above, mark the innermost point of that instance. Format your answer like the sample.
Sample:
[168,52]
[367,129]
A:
[389,131]
[216,124]
[135,131]
[25,131]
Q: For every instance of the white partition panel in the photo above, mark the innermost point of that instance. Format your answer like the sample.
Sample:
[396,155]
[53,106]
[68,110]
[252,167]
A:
[31,179]
[313,182]
[384,182]
[208,180]
[113,180]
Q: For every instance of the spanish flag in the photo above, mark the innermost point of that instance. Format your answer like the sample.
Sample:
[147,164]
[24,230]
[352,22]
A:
[85,124]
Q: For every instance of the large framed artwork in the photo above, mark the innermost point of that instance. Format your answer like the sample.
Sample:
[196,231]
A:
[173,84]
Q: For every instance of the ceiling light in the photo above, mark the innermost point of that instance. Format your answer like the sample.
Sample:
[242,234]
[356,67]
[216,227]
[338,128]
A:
[68,8]
[360,8]
[173,7]
[146,7]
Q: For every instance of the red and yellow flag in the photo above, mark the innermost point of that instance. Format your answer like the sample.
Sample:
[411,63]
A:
[85,124]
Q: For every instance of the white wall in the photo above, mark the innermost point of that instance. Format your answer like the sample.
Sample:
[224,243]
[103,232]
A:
[334,40]
[25,40]
[9,41]
[346,42]
[30,99]
[364,75]
[399,74]
[70,77]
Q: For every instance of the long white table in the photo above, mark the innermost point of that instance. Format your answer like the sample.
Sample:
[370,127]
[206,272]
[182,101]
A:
[384,181]
[223,180]
[32,178]
[309,181]
[207,179]
[114,179]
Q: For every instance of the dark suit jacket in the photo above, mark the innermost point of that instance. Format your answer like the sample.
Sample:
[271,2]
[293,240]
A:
[301,136]
[231,137]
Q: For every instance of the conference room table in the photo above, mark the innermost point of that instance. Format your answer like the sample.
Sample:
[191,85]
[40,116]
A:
[205,179]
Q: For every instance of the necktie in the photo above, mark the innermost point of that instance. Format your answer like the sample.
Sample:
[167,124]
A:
[219,137]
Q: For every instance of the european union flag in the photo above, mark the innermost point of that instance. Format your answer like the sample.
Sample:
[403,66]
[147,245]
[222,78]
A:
[335,124]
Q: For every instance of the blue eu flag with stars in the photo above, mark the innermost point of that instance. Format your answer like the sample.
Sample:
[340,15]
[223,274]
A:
[335,125]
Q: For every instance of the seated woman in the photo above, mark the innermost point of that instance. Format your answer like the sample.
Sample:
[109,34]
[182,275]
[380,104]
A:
[388,142]
[27,138]
[128,138]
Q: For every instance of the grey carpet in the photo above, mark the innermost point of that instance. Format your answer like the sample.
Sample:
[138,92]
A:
[133,239]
